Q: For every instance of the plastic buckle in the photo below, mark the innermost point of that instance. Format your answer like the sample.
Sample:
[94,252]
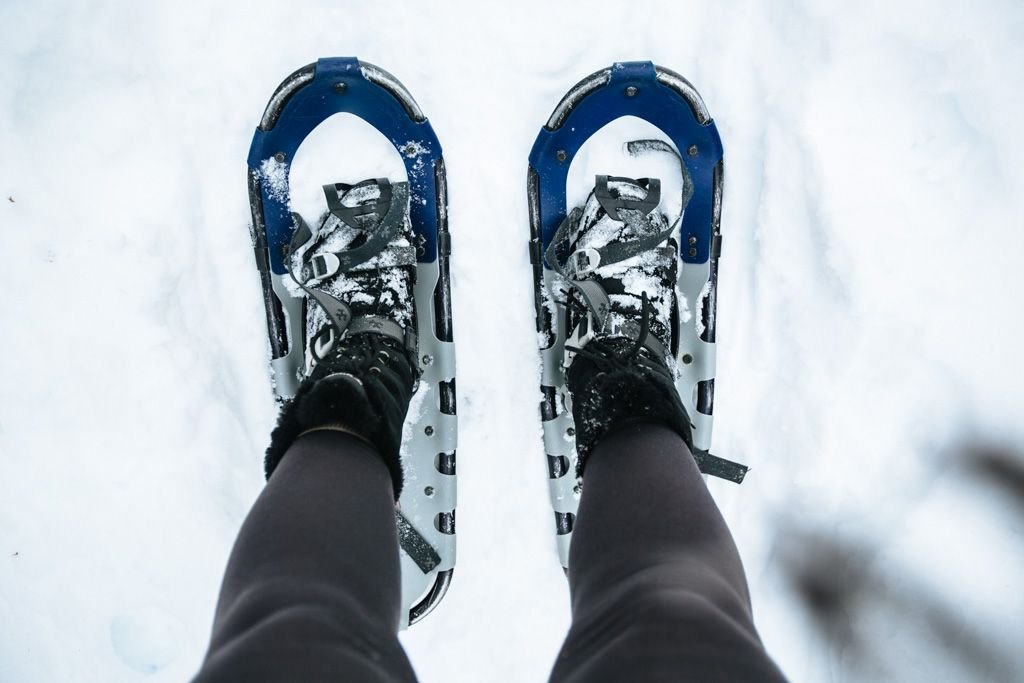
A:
[325,265]
[584,261]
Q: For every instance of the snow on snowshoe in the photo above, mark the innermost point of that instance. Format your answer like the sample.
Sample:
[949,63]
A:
[302,320]
[589,233]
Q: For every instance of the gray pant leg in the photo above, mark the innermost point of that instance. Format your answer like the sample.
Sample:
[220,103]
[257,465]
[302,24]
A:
[658,589]
[312,591]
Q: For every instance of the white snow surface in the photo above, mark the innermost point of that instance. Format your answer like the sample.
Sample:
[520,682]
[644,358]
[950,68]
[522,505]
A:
[869,305]
[343,144]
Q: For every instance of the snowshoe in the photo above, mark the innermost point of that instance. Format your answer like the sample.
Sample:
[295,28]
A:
[409,234]
[590,233]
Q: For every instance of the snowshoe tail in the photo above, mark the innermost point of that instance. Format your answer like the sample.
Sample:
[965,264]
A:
[669,102]
[426,512]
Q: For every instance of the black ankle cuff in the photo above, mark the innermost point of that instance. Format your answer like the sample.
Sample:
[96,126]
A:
[604,398]
[372,407]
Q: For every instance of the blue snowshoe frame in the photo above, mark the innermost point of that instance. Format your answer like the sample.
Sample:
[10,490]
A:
[669,102]
[426,512]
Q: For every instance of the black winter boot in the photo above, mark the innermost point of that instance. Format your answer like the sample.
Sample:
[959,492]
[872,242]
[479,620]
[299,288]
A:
[619,358]
[357,271]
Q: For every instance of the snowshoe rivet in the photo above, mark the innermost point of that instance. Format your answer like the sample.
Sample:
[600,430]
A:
[340,87]
[383,356]
[280,157]
[427,360]
[693,251]
[570,432]
[692,151]
[631,91]
[692,240]
[428,430]
[561,155]
[429,491]
[374,370]
[687,358]
[409,151]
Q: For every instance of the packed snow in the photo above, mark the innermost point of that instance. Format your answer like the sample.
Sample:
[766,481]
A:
[869,316]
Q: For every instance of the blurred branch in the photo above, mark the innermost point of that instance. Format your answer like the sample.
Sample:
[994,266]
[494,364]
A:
[847,591]
[998,467]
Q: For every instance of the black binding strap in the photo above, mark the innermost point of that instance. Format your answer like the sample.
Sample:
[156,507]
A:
[720,467]
[337,310]
[390,221]
[378,324]
[638,147]
[612,202]
[596,300]
[633,212]
[380,206]
[648,238]
[415,546]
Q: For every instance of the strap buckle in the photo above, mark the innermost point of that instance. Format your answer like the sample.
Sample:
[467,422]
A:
[324,265]
[583,261]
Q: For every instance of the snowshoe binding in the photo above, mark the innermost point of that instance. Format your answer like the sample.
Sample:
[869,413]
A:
[358,308]
[625,269]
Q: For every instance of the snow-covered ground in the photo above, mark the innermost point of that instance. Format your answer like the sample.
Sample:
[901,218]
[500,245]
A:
[870,308]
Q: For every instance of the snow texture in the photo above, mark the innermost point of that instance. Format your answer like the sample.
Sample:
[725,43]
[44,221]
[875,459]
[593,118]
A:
[274,175]
[342,144]
[869,306]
